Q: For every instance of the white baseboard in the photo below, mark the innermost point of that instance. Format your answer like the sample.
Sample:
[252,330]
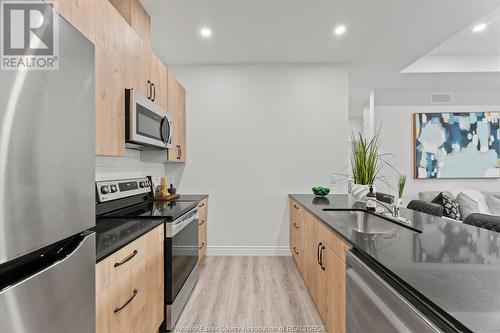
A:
[257,251]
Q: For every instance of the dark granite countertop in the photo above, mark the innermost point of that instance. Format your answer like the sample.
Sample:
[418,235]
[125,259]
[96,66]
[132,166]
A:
[454,266]
[192,197]
[114,233]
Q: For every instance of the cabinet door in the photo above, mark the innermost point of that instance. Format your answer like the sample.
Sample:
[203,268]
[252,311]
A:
[155,276]
[109,80]
[137,62]
[141,22]
[177,106]
[163,86]
[136,16]
[312,241]
[80,13]
[332,293]
[155,78]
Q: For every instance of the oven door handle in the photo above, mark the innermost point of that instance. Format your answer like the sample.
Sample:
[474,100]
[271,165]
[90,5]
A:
[176,228]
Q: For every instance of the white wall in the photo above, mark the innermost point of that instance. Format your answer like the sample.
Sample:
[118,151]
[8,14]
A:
[355,125]
[397,139]
[255,134]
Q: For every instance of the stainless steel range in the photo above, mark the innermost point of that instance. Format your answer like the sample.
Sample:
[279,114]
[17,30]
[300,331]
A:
[132,199]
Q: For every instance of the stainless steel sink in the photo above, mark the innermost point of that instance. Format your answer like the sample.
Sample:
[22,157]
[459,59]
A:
[364,222]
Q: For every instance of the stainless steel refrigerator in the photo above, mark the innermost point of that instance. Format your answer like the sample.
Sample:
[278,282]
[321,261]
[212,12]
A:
[47,198]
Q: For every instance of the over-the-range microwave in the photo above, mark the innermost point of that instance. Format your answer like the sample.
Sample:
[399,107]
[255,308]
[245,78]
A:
[147,126]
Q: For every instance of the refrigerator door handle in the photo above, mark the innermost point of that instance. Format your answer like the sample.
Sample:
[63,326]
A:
[41,297]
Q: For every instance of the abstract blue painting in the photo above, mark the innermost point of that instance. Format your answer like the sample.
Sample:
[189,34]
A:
[457,145]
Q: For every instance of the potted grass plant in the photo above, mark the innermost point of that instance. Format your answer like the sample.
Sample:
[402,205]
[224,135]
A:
[366,163]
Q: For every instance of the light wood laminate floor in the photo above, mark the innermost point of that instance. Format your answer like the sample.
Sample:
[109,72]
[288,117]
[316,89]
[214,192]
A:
[235,294]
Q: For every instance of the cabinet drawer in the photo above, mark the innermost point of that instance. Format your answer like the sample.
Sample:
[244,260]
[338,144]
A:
[203,208]
[124,260]
[120,306]
[202,238]
[130,299]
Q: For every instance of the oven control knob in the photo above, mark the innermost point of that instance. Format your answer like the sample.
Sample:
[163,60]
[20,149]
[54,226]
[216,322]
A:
[104,189]
[113,188]
[143,184]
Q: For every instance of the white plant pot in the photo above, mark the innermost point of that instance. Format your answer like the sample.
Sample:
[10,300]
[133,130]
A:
[359,192]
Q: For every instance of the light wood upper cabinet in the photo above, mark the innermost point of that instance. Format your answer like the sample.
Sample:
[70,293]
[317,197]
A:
[138,62]
[121,32]
[80,13]
[163,86]
[110,49]
[157,69]
[177,106]
[136,16]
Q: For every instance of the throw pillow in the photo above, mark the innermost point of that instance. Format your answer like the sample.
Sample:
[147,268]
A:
[450,207]
[494,205]
[467,205]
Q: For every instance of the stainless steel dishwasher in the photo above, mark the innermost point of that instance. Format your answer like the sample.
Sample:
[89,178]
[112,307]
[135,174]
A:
[372,305]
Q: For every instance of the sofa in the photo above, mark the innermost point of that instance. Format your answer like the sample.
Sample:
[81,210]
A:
[470,201]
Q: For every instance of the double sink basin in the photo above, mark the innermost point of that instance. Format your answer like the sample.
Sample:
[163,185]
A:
[367,223]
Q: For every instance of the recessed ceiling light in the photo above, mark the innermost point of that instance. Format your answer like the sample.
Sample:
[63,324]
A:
[479,28]
[206,32]
[340,30]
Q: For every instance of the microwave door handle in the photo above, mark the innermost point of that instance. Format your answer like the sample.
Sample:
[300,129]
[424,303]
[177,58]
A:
[162,123]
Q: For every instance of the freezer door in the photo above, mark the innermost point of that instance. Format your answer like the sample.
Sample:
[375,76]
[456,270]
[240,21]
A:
[58,299]
[47,149]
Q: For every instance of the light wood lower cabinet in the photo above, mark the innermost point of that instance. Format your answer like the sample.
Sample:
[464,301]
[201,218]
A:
[129,287]
[296,233]
[202,228]
[322,265]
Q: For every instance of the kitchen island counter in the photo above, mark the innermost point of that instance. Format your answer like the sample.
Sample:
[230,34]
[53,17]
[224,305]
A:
[451,266]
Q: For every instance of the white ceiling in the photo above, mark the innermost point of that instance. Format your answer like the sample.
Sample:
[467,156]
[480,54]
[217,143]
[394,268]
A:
[467,51]
[383,37]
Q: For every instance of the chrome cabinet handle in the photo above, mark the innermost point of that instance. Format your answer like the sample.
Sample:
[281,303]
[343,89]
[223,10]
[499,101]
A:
[150,92]
[201,205]
[295,225]
[154,92]
[202,221]
[119,308]
[295,250]
[201,246]
[130,256]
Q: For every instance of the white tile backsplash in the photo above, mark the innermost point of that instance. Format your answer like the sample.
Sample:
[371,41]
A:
[128,166]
